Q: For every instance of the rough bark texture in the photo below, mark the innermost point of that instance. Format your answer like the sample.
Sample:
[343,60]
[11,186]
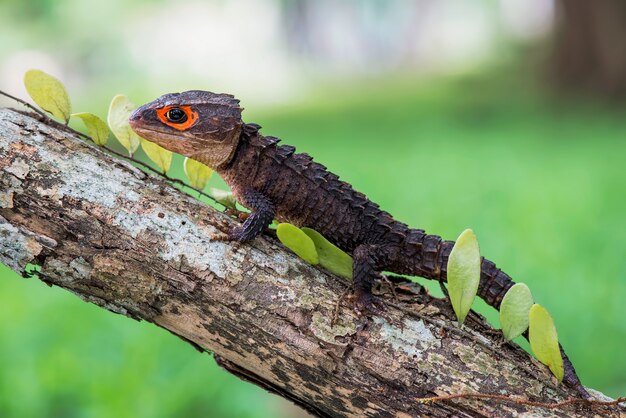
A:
[129,242]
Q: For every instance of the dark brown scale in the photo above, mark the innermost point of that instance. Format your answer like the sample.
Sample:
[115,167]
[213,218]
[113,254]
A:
[304,193]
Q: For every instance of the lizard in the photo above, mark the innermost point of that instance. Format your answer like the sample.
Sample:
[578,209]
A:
[275,182]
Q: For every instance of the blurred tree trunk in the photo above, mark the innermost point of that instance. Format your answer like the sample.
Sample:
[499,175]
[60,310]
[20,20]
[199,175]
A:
[590,47]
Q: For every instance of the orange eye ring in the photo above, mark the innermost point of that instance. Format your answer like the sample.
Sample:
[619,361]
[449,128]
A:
[170,115]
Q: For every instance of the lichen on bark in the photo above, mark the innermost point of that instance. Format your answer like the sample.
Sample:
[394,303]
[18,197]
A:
[133,244]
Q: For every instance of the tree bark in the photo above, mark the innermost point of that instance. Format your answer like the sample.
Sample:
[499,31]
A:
[131,243]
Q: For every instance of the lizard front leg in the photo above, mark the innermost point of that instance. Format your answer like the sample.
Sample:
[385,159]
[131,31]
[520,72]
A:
[263,212]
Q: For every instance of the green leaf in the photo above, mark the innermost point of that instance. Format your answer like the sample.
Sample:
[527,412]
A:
[49,94]
[161,157]
[298,242]
[96,128]
[331,257]
[197,173]
[544,341]
[463,273]
[514,311]
[119,111]
[223,197]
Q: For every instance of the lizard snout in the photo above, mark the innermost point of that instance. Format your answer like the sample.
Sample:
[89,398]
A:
[135,116]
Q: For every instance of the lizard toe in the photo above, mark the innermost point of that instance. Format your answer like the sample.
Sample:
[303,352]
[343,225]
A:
[220,237]
[365,303]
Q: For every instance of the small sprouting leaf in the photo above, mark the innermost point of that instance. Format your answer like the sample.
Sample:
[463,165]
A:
[158,154]
[49,94]
[298,242]
[544,341]
[96,128]
[463,273]
[330,257]
[119,111]
[514,311]
[223,197]
[197,173]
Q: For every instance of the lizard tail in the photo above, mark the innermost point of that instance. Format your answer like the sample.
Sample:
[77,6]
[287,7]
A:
[432,253]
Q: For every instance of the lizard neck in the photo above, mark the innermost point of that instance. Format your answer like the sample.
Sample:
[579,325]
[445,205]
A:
[242,151]
[240,171]
[222,156]
[217,156]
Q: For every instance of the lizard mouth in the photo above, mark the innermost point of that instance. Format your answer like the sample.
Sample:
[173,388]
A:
[175,142]
[155,134]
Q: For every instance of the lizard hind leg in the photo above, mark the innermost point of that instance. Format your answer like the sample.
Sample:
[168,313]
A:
[368,261]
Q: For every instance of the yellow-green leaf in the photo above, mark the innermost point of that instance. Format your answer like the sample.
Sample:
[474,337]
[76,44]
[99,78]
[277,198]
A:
[298,242]
[463,273]
[331,257]
[97,130]
[158,154]
[514,311]
[223,197]
[197,173]
[544,341]
[49,94]
[119,111]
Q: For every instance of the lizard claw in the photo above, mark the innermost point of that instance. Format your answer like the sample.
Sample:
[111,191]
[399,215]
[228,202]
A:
[234,243]
[365,303]
[220,224]
[221,237]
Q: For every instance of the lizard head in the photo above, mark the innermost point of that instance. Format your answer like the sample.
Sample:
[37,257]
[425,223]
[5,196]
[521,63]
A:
[198,124]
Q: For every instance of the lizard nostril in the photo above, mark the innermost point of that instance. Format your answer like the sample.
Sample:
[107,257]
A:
[135,116]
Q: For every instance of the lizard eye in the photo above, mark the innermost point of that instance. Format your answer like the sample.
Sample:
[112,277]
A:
[176,115]
[179,117]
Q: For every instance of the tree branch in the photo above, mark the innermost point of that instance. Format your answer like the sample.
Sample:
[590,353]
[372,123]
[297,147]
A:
[131,243]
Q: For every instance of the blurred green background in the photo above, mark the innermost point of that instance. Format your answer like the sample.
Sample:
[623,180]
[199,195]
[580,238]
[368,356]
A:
[503,116]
